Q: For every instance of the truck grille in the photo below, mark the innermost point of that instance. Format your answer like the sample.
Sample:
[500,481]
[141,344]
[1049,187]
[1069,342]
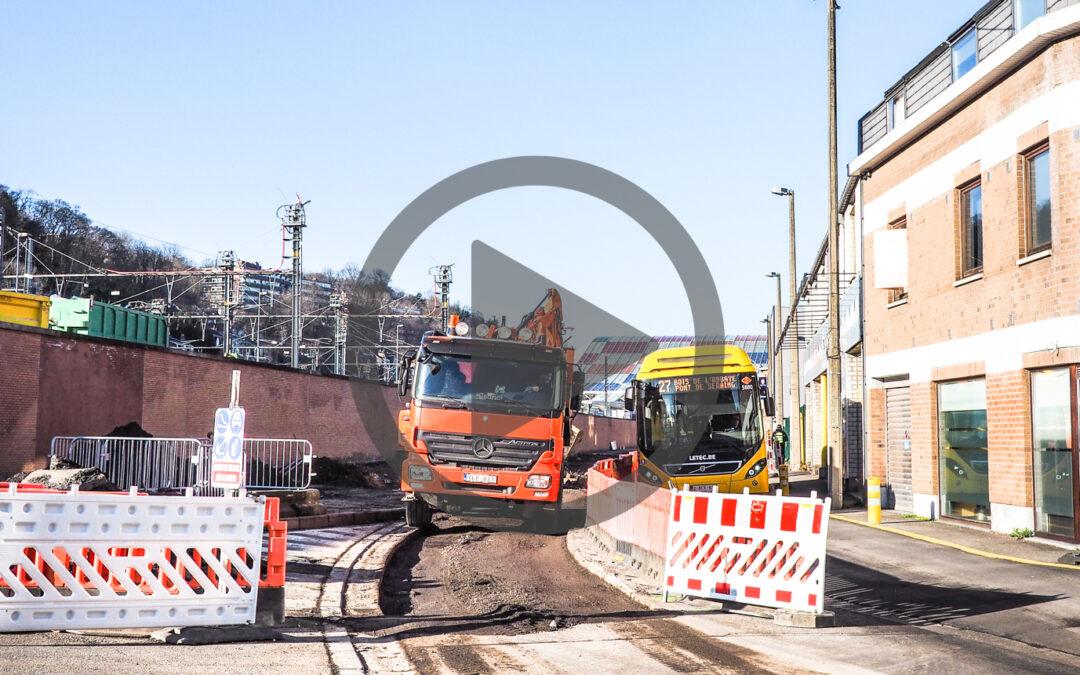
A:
[507,453]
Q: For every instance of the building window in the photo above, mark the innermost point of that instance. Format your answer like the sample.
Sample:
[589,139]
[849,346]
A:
[1037,172]
[964,54]
[971,230]
[1026,11]
[898,294]
[1052,440]
[895,111]
[965,484]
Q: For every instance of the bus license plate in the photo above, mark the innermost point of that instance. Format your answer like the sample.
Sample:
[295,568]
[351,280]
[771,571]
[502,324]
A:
[700,488]
[485,478]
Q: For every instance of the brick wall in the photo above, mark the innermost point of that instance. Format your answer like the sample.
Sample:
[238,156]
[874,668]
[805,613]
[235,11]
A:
[55,385]
[19,369]
[1008,420]
[924,438]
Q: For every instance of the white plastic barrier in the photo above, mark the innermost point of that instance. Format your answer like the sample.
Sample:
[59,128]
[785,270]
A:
[93,560]
[756,549]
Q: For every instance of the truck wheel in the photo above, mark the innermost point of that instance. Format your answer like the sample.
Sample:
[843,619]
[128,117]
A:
[418,514]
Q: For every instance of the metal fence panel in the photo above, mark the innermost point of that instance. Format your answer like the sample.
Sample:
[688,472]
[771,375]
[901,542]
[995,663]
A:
[147,463]
[271,464]
[155,464]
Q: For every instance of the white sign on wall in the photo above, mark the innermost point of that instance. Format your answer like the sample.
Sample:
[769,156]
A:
[890,258]
[227,461]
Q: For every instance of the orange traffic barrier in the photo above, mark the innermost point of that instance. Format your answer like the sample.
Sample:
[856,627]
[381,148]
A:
[273,573]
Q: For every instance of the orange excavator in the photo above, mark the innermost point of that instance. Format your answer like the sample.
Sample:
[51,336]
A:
[486,424]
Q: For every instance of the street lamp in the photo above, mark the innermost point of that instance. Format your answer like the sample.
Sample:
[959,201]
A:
[774,348]
[795,434]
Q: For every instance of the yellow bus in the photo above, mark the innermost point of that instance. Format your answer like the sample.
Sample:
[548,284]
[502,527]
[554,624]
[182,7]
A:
[700,416]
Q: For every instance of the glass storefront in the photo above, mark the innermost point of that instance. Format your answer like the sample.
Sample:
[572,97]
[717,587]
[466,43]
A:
[1052,466]
[964,466]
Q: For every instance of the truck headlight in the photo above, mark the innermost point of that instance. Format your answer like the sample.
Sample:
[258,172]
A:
[419,473]
[757,468]
[538,482]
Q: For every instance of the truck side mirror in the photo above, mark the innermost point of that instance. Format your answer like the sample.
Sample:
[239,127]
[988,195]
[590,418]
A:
[577,388]
[405,372]
[628,399]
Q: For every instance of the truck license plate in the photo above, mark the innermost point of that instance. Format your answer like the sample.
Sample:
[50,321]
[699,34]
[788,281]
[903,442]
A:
[485,478]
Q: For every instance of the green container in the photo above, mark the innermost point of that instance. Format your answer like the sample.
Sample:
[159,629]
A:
[70,315]
[129,325]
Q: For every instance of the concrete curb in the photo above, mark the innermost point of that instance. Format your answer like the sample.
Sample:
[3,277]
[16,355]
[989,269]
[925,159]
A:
[343,519]
[619,575]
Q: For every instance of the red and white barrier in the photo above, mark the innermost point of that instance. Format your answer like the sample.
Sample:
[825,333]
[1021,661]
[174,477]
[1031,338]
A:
[105,560]
[628,511]
[757,549]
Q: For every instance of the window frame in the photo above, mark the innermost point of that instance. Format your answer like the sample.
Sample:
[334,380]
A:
[973,35]
[941,440]
[1029,208]
[897,294]
[1016,5]
[896,102]
[1074,440]
[962,193]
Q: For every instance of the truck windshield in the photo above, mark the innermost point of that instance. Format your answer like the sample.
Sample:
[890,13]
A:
[496,385]
[714,414]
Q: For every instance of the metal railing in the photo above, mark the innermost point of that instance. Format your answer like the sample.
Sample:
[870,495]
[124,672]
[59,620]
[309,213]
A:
[149,463]
[155,464]
[275,463]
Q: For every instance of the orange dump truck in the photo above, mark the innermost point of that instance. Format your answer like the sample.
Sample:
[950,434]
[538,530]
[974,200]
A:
[486,425]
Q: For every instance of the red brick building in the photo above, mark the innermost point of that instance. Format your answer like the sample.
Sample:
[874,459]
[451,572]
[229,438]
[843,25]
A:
[969,200]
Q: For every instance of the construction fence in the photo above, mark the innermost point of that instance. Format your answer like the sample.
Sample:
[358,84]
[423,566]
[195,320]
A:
[167,464]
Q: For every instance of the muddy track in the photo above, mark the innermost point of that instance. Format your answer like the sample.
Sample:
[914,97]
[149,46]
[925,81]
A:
[466,600]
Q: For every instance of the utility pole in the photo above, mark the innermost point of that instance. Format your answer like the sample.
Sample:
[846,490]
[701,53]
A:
[771,365]
[397,351]
[778,361]
[795,433]
[443,278]
[338,303]
[607,401]
[293,223]
[226,265]
[836,440]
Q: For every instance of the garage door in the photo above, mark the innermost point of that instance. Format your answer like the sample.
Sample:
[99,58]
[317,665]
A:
[898,446]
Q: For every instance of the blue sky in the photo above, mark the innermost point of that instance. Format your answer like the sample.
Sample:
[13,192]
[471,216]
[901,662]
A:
[191,122]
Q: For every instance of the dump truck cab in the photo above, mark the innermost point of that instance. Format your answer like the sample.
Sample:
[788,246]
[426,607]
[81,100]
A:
[486,424]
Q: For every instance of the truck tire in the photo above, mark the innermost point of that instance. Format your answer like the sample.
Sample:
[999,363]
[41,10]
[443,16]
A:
[418,514]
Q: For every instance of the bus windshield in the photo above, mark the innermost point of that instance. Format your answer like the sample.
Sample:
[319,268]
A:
[489,384]
[700,421]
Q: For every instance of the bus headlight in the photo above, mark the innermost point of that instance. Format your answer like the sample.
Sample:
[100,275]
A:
[419,473]
[650,476]
[538,482]
[757,468]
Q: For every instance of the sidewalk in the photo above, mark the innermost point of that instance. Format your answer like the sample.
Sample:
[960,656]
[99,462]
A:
[973,538]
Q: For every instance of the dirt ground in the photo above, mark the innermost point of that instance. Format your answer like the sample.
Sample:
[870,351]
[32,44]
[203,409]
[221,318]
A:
[463,578]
